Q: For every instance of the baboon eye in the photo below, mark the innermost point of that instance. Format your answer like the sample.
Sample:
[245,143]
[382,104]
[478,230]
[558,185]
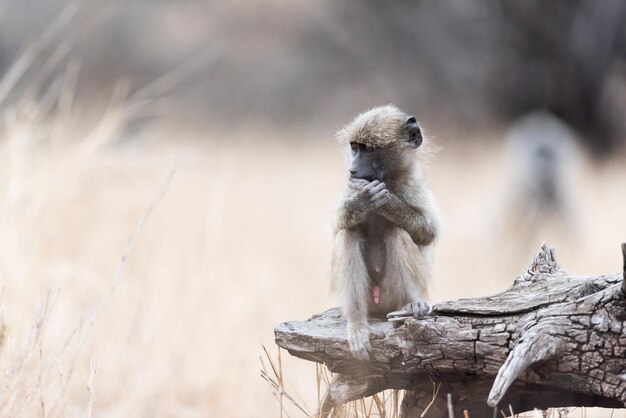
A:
[354,146]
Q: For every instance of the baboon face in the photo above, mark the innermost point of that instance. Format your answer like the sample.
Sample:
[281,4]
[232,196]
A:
[378,162]
[369,162]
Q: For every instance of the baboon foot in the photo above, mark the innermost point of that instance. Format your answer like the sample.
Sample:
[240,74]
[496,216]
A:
[410,310]
[359,340]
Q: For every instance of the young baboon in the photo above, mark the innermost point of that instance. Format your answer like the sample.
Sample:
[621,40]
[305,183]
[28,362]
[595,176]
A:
[386,223]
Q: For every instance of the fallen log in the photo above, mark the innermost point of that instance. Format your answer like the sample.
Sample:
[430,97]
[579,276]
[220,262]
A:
[551,340]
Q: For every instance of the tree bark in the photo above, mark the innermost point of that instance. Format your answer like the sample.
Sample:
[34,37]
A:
[550,340]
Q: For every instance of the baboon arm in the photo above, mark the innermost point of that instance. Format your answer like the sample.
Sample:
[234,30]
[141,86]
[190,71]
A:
[350,214]
[414,220]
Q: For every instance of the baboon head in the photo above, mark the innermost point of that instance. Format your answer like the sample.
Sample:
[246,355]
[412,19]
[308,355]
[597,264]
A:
[381,141]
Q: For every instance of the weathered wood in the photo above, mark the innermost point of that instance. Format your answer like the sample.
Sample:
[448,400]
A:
[624,268]
[550,340]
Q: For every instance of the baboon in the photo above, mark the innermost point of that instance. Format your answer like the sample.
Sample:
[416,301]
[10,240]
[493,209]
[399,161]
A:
[542,158]
[386,223]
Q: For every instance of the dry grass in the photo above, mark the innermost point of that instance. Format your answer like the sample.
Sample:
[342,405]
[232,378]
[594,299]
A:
[239,243]
[383,404]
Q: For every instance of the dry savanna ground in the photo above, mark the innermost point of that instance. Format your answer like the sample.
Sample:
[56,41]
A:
[239,242]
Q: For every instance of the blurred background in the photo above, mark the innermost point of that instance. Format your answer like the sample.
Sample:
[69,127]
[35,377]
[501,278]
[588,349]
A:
[214,123]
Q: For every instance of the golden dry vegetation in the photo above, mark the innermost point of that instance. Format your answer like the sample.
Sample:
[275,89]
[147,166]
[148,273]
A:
[239,242]
[142,270]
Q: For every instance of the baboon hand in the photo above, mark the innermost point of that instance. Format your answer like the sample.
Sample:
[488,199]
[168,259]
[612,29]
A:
[359,340]
[372,194]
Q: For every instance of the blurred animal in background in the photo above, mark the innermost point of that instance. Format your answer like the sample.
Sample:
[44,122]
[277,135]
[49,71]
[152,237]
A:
[542,157]
[386,223]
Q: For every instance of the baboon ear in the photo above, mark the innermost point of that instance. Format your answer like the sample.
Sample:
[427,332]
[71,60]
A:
[415,137]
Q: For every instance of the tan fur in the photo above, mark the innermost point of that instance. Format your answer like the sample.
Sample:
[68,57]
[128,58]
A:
[379,126]
[407,275]
[382,241]
[405,227]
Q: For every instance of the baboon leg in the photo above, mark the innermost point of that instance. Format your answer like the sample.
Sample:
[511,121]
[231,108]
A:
[350,279]
[407,273]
